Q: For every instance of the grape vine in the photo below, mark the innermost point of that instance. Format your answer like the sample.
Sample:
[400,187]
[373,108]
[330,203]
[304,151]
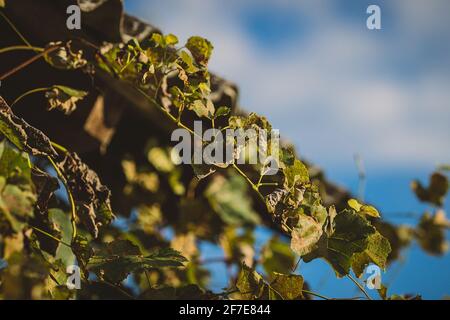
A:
[223,203]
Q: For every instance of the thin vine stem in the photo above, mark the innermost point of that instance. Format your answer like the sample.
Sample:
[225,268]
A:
[359,286]
[316,294]
[254,186]
[29,61]
[262,184]
[16,30]
[21,48]
[127,65]
[69,195]
[28,93]
[167,113]
[59,147]
[121,290]
[148,278]
[261,176]
[50,236]
[294,268]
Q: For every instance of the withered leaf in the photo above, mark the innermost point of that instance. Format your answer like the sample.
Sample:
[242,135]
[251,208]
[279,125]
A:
[91,197]
[305,235]
[46,185]
[436,190]
[64,57]
[64,98]
[22,135]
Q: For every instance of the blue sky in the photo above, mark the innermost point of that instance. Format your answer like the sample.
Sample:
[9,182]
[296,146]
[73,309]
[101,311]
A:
[336,89]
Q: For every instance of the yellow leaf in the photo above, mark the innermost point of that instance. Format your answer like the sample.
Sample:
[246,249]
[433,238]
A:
[370,211]
[354,204]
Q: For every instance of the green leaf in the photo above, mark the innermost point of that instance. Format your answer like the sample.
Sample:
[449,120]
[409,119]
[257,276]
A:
[200,48]
[354,204]
[82,250]
[17,193]
[250,284]
[121,257]
[160,159]
[22,135]
[287,156]
[286,200]
[229,199]
[202,109]
[277,256]
[363,209]
[376,251]
[222,112]
[64,98]
[16,206]
[13,163]
[159,39]
[351,235]
[187,59]
[286,287]
[170,39]
[370,211]
[297,173]
[62,222]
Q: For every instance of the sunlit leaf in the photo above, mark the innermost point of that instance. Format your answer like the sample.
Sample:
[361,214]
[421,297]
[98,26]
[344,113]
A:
[376,251]
[250,284]
[200,48]
[286,287]
[363,209]
[351,235]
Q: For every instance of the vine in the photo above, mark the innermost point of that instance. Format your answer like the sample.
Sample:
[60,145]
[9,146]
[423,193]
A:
[176,81]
